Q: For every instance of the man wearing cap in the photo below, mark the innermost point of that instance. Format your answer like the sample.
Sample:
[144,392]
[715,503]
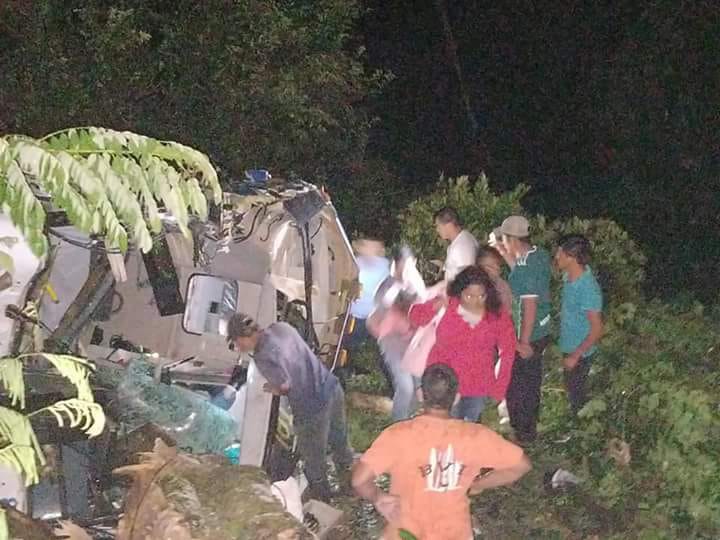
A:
[315,395]
[530,284]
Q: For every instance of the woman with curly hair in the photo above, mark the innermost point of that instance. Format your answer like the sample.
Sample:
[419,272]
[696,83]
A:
[468,336]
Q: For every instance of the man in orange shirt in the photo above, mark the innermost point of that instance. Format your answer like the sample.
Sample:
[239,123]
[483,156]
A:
[435,462]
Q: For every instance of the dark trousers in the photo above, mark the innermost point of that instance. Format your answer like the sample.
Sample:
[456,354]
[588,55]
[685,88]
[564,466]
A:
[523,395]
[575,383]
[328,426]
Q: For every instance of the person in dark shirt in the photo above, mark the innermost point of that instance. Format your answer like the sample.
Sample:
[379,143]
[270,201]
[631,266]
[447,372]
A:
[316,398]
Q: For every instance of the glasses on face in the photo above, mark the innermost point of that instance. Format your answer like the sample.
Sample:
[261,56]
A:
[471,297]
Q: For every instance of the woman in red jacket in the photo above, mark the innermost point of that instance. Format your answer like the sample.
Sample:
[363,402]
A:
[473,328]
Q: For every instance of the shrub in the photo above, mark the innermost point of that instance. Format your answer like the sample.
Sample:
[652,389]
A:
[656,386]
[618,261]
[480,209]
[655,380]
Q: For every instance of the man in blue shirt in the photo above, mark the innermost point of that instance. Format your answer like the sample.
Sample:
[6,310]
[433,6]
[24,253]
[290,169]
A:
[581,323]
[374,268]
[316,398]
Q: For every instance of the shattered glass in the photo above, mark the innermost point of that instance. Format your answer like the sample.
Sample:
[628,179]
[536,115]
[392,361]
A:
[194,423]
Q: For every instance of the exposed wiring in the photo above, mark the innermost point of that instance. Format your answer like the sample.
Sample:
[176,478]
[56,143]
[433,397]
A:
[242,238]
[14,312]
[318,229]
[92,243]
[273,221]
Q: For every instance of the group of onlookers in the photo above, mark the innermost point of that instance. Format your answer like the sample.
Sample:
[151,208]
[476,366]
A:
[489,336]
[454,346]
[492,332]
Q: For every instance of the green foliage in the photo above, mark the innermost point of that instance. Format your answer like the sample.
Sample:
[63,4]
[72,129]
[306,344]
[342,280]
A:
[480,209]
[255,83]
[617,259]
[108,183]
[19,447]
[12,381]
[656,384]
[364,426]
[618,262]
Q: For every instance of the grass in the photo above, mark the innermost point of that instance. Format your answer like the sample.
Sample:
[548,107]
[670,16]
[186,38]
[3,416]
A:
[525,510]
[364,427]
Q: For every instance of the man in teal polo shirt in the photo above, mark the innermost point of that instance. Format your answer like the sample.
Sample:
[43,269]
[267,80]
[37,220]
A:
[581,323]
[530,283]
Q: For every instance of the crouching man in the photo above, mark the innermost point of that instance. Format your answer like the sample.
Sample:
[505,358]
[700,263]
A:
[435,462]
[315,395]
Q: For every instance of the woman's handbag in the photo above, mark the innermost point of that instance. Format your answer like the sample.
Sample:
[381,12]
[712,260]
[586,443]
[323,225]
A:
[416,355]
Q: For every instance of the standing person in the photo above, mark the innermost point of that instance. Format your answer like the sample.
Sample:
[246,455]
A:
[461,252]
[434,463]
[373,268]
[390,325]
[490,260]
[530,283]
[470,332]
[315,395]
[581,324]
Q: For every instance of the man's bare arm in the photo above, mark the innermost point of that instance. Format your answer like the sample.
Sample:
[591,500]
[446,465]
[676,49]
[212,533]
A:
[500,477]
[596,332]
[529,312]
[363,482]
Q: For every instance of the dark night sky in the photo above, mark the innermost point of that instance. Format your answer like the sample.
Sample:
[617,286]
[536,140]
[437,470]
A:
[604,108]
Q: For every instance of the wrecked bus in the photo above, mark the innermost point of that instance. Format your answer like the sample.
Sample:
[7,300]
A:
[273,249]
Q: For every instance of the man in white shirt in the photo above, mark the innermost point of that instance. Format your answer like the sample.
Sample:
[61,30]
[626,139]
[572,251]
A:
[462,250]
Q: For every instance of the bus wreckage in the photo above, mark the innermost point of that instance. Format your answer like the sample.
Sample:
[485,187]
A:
[154,325]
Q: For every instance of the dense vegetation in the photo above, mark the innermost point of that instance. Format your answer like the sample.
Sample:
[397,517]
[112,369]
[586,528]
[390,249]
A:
[602,112]
[254,84]
[647,443]
[603,108]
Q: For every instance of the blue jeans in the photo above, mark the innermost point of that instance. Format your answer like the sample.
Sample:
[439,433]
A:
[404,402]
[469,408]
